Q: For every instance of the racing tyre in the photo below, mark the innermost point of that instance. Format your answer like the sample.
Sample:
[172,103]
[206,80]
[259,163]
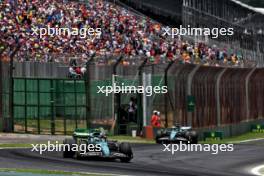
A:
[158,135]
[68,153]
[78,153]
[192,137]
[126,149]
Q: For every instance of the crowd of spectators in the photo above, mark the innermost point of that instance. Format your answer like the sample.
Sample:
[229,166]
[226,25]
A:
[123,33]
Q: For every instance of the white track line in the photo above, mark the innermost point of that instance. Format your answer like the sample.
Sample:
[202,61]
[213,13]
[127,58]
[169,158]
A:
[245,141]
[256,170]
[103,174]
[73,173]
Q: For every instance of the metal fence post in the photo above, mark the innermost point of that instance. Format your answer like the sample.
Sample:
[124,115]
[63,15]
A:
[52,103]
[2,89]
[147,81]
[166,95]
[218,102]
[140,97]
[144,80]
[247,92]
[25,105]
[75,103]
[38,106]
[88,91]
[116,96]
[11,88]
[64,112]
[189,92]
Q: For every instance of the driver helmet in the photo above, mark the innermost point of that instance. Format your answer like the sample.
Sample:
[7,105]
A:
[177,125]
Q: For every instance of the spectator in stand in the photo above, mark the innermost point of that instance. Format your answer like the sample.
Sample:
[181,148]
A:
[72,72]
[123,32]
[78,70]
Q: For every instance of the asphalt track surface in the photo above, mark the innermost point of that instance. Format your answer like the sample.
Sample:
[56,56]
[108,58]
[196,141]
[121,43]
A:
[149,159]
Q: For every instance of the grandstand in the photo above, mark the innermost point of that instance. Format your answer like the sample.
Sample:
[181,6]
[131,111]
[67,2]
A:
[123,33]
[247,21]
[38,96]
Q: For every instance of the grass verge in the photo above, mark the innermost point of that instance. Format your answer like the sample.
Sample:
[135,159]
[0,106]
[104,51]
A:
[235,139]
[15,145]
[118,138]
[131,139]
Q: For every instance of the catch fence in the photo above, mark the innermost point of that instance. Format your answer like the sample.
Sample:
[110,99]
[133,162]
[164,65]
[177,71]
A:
[220,95]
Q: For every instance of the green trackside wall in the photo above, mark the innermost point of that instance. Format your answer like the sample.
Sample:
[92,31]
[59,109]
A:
[37,93]
[48,105]
[58,106]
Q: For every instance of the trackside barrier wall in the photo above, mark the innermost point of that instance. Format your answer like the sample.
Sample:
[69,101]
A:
[224,98]
[5,120]
[231,129]
[55,106]
[256,94]
[229,98]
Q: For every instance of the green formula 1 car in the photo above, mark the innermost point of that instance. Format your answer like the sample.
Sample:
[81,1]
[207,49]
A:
[94,143]
[177,134]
